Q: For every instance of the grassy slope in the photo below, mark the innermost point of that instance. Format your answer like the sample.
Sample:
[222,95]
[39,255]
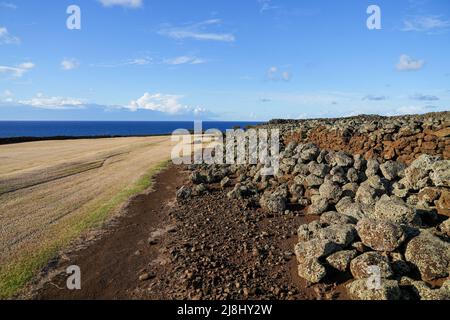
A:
[15,276]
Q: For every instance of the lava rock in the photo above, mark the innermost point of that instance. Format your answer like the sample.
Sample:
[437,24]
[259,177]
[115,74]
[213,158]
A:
[440,173]
[359,290]
[330,191]
[333,217]
[392,170]
[308,231]
[396,211]
[184,193]
[430,255]
[380,235]
[341,235]
[311,270]
[315,248]
[341,260]
[360,266]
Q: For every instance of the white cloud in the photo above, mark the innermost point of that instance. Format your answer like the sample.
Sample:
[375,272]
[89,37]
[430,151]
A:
[372,97]
[53,103]
[425,23]
[8,5]
[122,3]
[130,62]
[274,74]
[424,97]
[7,38]
[7,96]
[197,32]
[69,64]
[286,76]
[17,71]
[184,60]
[407,63]
[266,5]
[166,103]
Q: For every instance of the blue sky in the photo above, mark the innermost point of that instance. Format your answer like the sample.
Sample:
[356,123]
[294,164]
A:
[222,59]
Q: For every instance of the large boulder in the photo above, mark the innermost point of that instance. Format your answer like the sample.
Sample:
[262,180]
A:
[443,204]
[309,152]
[360,267]
[423,291]
[359,290]
[308,231]
[366,194]
[396,211]
[318,205]
[440,173]
[430,255]
[392,170]
[330,191]
[342,235]
[380,235]
[332,217]
[315,248]
[311,270]
[347,207]
[313,181]
[273,203]
[372,167]
[318,169]
[341,260]
[342,159]
[417,174]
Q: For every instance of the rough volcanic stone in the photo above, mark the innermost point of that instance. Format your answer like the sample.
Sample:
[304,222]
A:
[358,290]
[440,173]
[311,270]
[366,194]
[318,205]
[430,255]
[318,169]
[308,231]
[392,170]
[342,159]
[417,174]
[372,167]
[348,207]
[273,202]
[395,210]
[380,235]
[359,266]
[184,193]
[315,248]
[341,260]
[330,191]
[342,235]
[313,181]
[333,217]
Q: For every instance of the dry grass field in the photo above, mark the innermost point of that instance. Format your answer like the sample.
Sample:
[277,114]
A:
[52,191]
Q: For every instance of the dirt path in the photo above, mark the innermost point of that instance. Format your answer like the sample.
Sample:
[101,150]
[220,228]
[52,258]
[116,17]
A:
[204,248]
[111,265]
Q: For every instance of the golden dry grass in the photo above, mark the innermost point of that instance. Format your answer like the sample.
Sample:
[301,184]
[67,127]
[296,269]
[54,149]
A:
[51,191]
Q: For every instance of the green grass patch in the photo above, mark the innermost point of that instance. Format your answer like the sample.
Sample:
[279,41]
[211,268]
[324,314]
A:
[16,275]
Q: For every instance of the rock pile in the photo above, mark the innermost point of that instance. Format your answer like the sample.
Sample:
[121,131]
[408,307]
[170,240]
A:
[402,138]
[373,214]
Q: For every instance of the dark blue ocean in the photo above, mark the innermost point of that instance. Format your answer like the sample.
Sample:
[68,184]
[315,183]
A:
[11,129]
